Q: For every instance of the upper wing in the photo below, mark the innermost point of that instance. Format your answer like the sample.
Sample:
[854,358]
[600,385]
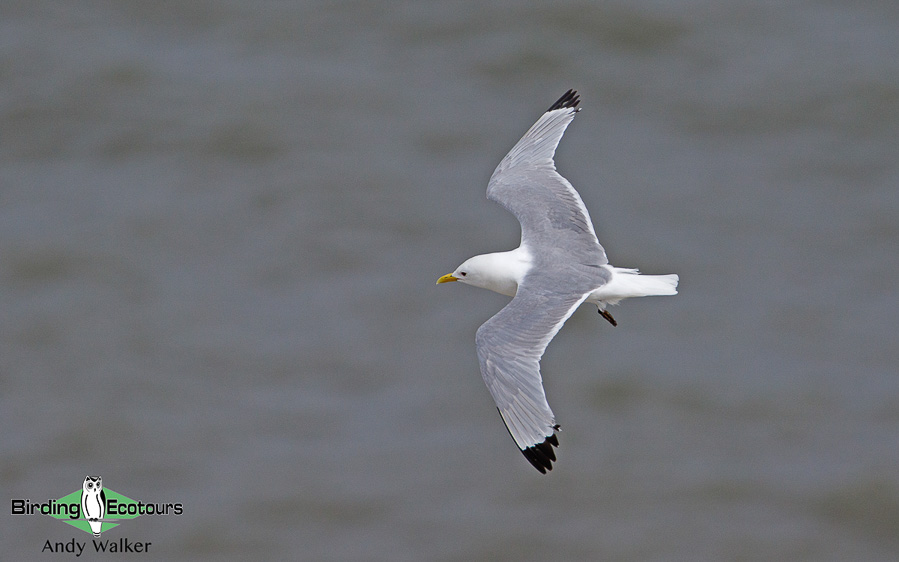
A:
[510,345]
[546,204]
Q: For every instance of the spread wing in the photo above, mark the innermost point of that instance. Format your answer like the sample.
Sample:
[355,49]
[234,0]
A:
[510,345]
[548,207]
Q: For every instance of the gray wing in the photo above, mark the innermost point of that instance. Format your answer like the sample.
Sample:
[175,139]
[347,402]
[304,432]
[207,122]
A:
[510,345]
[549,209]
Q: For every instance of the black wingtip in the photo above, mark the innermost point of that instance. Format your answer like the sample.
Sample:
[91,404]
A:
[570,99]
[542,455]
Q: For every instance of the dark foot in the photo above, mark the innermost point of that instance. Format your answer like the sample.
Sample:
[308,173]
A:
[605,314]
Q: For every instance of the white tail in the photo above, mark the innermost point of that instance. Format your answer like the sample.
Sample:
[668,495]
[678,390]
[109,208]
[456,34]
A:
[628,283]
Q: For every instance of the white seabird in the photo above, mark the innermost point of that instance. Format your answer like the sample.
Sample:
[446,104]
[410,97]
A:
[559,265]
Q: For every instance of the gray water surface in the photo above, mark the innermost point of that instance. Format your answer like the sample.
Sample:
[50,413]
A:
[221,224]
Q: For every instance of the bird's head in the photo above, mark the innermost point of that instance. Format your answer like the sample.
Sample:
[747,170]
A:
[468,273]
[495,272]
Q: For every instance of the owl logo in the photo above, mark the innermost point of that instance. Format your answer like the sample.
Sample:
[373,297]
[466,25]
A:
[93,502]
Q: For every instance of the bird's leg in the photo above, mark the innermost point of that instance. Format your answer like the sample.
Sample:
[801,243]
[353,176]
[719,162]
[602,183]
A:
[605,314]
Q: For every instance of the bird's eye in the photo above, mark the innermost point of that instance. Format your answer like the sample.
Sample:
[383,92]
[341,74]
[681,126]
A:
[463,273]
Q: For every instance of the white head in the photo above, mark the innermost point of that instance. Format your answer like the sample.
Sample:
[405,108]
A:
[499,272]
[473,271]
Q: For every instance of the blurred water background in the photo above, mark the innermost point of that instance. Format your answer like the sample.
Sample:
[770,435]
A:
[221,224]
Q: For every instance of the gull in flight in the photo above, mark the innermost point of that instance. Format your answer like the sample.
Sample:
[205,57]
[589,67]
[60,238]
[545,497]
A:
[559,265]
